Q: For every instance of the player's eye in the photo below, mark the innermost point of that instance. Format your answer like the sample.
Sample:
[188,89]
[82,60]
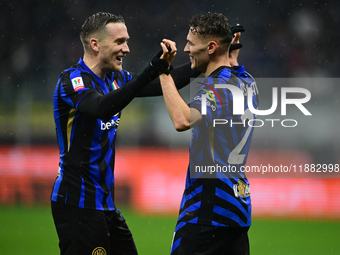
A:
[121,41]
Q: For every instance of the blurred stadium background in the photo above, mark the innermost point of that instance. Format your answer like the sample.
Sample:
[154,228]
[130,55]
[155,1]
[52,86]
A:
[286,44]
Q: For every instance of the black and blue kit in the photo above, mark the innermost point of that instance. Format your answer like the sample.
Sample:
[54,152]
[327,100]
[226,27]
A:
[217,192]
[87,111]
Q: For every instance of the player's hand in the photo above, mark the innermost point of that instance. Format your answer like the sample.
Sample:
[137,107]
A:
[169,50]
[235,45]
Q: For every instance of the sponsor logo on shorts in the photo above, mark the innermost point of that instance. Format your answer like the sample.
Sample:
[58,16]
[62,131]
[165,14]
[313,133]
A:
[99,251]
[241,189]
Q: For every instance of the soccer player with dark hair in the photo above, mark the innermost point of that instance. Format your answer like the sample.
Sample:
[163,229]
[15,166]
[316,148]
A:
[215,212]
[88,102]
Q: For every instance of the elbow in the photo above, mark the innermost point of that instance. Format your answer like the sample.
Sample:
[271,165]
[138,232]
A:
[181,126]
[181,122]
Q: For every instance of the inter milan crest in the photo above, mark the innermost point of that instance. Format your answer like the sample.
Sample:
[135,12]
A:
[99,251]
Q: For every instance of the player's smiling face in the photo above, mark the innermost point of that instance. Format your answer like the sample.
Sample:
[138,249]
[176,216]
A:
[198,52]
[113,47]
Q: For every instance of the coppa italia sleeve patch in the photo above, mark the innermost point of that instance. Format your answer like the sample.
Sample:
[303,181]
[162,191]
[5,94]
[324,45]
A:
[77,83]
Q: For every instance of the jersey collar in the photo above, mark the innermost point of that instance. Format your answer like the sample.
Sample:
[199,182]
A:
[236,69]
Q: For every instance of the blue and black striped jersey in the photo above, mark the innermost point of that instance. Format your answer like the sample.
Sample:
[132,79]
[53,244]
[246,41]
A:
[217,191]
[87,144]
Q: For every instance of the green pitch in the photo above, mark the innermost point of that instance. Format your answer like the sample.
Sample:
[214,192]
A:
[31,231]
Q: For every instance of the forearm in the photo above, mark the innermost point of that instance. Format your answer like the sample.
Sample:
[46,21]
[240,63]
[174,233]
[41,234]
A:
[178,110]
[105,106]
[181,76]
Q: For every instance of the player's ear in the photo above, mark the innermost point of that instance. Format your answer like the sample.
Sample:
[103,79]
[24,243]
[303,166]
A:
[212,46]
[94,44]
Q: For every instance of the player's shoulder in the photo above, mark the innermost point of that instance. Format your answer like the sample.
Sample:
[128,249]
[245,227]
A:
[76,78]
[224,73]
[74,71]
[238,70]
[242,73]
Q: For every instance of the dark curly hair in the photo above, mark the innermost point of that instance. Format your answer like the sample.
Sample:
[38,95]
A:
[96,23]
[213,26]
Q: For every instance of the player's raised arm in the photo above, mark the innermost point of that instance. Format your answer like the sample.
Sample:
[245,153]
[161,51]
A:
[180,113]
[104,106]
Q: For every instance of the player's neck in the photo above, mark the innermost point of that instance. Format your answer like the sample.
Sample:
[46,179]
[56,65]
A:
[93,64]
[216,63]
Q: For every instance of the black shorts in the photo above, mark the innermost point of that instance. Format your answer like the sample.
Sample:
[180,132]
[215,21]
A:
[91,232]
[209,240]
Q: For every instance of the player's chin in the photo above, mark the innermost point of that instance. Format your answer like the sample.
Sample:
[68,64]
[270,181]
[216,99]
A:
[194,67]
